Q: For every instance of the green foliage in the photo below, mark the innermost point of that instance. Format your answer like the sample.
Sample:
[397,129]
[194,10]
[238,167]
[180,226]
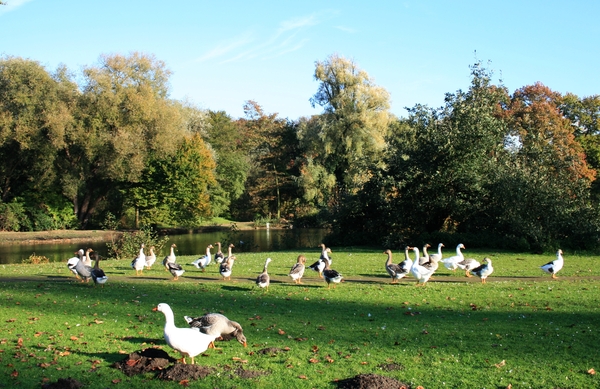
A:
[13,216]
[128,244]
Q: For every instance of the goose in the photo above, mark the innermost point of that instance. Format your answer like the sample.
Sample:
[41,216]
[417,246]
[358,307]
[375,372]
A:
[484,270]
[467,265]
[438,255]
[229,252]
[219,326]
[330,275]
[189,342]
[554,267]
[263,280]
[150,258]
[297,271]
[98,275]
[397,271]
[425,258]
[226,267]
[175,269]
[219,254]
[88,261]
[451,262]
[139,262]
[319,265]
[171,258]
[421,273]
[325,251]
[72,262]
[204,261]
[84,271]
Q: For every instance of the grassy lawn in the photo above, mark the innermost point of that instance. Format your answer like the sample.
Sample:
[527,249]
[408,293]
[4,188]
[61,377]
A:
[520,329]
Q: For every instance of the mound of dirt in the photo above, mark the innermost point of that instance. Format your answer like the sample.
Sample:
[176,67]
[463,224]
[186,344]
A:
[64,383]
[180,372]
[145,361]
[371,381]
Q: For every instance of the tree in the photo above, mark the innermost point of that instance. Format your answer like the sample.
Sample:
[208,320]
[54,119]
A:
[272,149]
[351,131]
[123,117]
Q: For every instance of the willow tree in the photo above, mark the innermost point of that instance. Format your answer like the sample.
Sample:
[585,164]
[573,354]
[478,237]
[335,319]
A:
[350,133]
[123,117]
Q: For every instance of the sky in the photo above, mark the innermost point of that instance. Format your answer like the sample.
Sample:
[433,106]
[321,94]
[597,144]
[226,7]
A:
[223,53]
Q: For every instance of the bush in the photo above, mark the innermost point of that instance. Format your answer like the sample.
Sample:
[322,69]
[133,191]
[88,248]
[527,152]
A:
[128,245]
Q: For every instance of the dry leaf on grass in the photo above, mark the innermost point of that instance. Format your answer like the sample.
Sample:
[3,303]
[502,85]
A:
[591,371]
[499,365]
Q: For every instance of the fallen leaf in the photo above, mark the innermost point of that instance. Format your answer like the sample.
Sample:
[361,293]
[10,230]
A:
[315,349]
[132,362]
[509,386]
[364,363]
[591,371]
[14,374]
[37,334]
[499,365]
[313,360]
[302,377]
[116,381]
[20,342]
[184,383]
[74,338]
[281,332]
[98,321]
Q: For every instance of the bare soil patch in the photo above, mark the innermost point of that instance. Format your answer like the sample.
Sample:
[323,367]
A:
[180,372]
[371,381]
[64,383]
[145,361]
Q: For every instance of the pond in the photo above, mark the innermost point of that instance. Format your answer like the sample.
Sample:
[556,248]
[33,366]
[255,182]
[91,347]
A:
[187,244]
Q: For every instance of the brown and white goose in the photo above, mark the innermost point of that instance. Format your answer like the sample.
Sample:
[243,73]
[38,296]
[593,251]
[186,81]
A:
[219,326]
[297,271]
[264,280]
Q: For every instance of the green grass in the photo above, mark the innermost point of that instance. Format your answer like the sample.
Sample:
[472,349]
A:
[450,334]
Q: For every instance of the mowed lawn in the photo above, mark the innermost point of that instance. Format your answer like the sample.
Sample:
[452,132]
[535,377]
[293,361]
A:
[521,330]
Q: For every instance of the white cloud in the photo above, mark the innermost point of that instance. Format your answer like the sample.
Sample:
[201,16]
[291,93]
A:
[11,5]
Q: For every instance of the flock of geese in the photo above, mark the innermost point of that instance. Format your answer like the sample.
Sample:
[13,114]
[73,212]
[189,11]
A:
[421,268]
[204,330]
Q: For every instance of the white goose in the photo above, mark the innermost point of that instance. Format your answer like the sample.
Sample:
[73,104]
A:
[438,255]
[189,342]
[451,263]
[554,267]
[88,260]
[150,258]
[139,262]
[84,271]
[421,273]
[205,260]
[72,262]
[297,271]
[263,280]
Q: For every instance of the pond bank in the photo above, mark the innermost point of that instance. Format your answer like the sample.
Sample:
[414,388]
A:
[65,236]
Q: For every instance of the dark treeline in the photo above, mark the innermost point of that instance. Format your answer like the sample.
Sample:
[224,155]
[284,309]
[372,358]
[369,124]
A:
[108,148]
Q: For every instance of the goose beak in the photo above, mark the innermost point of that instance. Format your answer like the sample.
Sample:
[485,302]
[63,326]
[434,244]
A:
[154,309]
[245,345]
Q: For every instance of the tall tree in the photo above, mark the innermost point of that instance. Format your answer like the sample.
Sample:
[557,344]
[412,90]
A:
[353,125]
[123,117]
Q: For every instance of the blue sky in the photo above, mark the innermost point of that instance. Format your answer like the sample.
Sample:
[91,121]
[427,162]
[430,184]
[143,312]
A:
[223,53]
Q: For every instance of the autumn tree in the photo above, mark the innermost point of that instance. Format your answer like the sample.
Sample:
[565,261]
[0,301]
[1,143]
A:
[123,117]
[272,146]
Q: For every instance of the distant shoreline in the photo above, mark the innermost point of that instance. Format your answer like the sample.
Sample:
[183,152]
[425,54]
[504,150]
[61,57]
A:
[63,236]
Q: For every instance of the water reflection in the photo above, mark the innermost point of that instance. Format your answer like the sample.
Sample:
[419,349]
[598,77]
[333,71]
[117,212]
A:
[187,244]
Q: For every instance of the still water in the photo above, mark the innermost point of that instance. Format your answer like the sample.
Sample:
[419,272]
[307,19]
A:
[187,244]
